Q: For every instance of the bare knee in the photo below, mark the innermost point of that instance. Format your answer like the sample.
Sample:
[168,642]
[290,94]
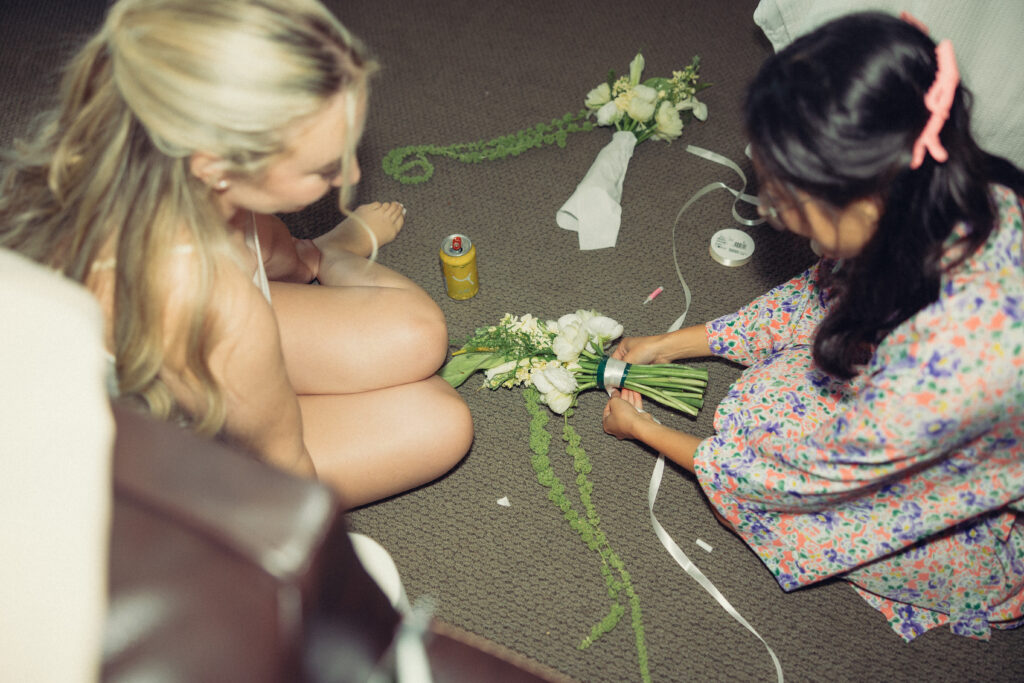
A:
[426,331]
[454,428]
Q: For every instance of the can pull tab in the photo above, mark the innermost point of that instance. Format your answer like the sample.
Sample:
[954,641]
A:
[457,244]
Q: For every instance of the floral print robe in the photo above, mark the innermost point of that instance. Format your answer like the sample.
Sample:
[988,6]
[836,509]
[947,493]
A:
[908,480]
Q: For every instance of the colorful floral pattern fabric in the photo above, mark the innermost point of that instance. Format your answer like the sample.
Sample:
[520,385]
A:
[908,480]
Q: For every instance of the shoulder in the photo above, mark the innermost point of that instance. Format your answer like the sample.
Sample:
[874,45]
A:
[213,296]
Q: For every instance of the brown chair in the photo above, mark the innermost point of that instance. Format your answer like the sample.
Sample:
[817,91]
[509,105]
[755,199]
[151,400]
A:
[225,569]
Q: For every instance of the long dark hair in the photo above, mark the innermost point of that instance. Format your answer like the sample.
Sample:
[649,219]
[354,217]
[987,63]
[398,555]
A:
[835,115]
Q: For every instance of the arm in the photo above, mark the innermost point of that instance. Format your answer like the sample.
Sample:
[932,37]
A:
[262,410]
[623,420]
[786,315]
[690,342]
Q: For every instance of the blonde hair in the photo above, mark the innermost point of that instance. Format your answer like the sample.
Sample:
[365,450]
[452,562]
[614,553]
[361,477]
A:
[160,81]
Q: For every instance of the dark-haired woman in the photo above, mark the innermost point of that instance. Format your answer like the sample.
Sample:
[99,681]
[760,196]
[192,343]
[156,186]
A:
[877,434]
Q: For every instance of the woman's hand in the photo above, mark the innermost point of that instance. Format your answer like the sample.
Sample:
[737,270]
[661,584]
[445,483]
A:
[624,418]
[689,342]
[642,350]
[622,412]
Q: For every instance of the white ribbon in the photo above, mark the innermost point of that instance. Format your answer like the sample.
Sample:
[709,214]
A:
[740,196]
[659,468]
[614,373]
[690,568]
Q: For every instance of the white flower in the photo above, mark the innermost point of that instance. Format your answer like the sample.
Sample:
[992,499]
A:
[499,370]
[700,110]
[584,316]
[541,381]
[603,330]
[609,114]
[599,96]
[636,67]
[571,339]
[558,403]
[560,379]
[668,124]
[641,103]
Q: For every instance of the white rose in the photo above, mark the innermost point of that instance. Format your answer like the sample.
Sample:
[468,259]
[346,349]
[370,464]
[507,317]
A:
[541,381]
[560,379]
[599,96]
[567,347]
[641,104]
[668,124]
[609,114]
[604,329]
[566,320]
[584,316]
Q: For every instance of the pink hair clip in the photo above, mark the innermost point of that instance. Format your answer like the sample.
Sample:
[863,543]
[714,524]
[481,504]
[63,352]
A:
[914,21]
[938,99]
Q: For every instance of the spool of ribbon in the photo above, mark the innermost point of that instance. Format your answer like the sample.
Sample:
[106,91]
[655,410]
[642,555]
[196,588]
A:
[611,373]
[740,195]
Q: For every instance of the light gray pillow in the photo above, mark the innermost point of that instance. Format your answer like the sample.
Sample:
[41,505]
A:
[988,39]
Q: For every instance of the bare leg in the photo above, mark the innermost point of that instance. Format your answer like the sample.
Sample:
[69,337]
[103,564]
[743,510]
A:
[362,353]
[372,445]
[343,340]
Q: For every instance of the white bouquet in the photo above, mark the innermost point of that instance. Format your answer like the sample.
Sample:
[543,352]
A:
[656,108]
[564,357]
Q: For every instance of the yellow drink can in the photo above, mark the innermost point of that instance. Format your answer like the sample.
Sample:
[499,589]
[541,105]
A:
[458,263]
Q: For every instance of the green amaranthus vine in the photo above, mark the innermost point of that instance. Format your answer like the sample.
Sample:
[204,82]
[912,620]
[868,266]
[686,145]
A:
[617,579]
[410,166]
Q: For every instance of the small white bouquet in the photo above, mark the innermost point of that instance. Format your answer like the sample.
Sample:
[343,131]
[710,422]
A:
[656,108]
[561,358]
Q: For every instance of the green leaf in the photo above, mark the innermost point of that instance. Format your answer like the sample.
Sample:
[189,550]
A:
[659,83]
[460,367]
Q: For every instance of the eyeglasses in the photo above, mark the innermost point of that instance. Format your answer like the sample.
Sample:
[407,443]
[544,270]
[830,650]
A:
[771,210]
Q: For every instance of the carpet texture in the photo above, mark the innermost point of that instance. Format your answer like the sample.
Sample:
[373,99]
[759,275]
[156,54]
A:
[461,71]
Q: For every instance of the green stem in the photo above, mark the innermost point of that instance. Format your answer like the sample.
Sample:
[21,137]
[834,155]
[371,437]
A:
[662,398]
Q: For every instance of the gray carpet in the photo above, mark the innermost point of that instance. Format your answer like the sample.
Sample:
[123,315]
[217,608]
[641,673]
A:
[461,71]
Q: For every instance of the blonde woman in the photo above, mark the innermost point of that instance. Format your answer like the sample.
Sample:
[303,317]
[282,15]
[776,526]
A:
[183,126]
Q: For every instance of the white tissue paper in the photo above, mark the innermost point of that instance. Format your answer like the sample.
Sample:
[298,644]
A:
[593,210]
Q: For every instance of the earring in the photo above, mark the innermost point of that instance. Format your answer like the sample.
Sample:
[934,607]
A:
[221,185]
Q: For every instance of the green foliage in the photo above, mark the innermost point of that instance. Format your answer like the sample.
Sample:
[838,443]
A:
[410,165]
[617,579]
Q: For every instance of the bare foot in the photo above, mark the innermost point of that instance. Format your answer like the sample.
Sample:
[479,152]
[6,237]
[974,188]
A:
[383,220]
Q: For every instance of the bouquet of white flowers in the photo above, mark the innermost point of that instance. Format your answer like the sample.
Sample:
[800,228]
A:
[563,357]
[655,108]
